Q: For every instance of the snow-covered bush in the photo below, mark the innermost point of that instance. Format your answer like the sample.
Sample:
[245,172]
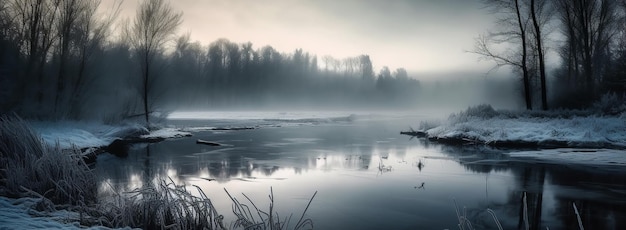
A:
[28,167]
[483,111]
[610,104]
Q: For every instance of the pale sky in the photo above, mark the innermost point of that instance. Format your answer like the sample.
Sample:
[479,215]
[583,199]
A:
[423,36]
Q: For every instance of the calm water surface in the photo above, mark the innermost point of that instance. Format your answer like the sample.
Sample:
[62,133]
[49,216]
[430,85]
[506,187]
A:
[368,176]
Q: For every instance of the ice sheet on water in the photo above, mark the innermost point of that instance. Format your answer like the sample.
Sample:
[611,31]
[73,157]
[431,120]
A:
[167,133]
[598,157]
[258,115]
[262,119]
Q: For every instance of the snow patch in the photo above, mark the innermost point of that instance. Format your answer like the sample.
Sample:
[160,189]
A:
[74,133]
[83,134]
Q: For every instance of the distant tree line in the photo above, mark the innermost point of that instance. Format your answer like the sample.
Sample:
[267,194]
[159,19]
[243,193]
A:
[238,74]
[60,59]
[588,36]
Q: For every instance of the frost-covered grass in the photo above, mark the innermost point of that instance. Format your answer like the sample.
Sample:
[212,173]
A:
[576,128]
[164,205]
[167,205]
[254,218]
[30,167]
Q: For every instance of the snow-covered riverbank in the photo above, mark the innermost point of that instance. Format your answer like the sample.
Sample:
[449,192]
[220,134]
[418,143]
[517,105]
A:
[484,125]
[83,134]
[562,137]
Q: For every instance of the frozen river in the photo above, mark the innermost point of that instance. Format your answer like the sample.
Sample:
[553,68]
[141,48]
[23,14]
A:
[367,175]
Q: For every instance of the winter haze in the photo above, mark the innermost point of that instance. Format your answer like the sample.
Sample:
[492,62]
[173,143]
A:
[419,35]
[353,114]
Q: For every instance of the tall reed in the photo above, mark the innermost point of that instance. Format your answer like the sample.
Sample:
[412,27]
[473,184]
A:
[165,205]
[247,219]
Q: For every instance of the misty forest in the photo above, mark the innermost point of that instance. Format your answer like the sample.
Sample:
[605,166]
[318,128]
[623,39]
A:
[60,61]
[118,114]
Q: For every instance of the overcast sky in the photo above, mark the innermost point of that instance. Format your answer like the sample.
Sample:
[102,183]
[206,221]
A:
[424,36]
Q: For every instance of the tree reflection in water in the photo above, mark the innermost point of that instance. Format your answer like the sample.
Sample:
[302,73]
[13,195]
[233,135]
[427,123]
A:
[592,190]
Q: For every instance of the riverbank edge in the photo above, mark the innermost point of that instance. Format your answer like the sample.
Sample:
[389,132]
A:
[460,140]
[119,146]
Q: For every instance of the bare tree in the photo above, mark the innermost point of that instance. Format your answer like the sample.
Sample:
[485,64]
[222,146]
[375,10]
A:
[154,25]
[589,31]
[328,60]
[514,22]
[33,22]
[367,71]
[68,16]
[90,36]
[537,10]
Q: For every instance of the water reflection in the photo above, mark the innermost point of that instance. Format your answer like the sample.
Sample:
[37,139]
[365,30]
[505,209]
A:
[368,178]
[599,195]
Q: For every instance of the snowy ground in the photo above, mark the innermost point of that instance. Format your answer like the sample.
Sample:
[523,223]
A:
[20,214]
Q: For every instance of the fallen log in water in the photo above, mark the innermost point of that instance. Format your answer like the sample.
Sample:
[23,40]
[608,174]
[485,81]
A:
[414,133]
[209,143]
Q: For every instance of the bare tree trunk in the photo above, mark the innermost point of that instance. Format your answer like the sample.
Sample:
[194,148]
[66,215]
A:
[524,65]
[46,43]
[154,24]
[145,88]
[542,68]
[584,18]
[69,12]
[573,68]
